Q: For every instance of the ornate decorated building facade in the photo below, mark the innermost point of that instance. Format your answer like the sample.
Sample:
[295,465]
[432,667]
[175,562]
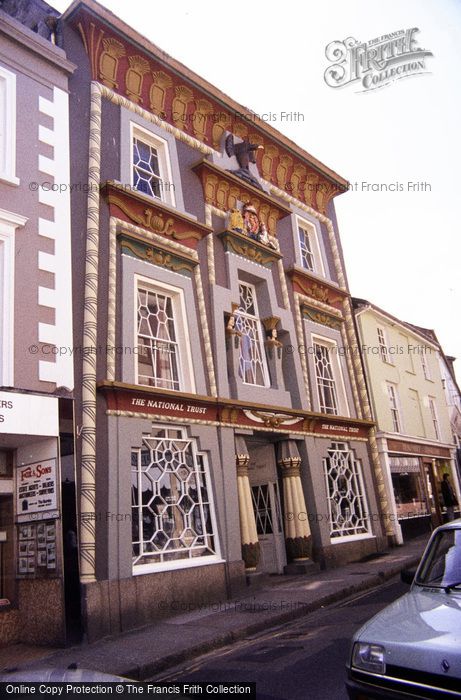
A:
[413,393]
[36,365]
[224,428]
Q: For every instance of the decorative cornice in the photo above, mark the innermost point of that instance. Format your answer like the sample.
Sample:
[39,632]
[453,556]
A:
[136,208]
[248,248]
[223,190]
[204,110]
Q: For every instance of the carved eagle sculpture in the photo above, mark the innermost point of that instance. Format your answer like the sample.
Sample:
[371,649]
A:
[245,154]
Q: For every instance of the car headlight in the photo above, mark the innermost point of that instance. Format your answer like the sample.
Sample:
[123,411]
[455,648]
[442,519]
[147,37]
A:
[368,657]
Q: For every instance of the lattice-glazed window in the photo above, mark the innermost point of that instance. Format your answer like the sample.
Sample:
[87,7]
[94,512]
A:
[146,169]
[346,494]
[172,510]
[158,351]
[328,399]
[252,360]
[305,246]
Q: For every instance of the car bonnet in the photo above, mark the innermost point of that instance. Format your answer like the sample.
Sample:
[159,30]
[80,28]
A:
[420,630]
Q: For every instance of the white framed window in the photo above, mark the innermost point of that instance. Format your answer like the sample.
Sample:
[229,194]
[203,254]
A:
[395,409]
[150,165]
[331,392]
[309,249]
[173,519]
[346,494]
[425,366]
[162,337]
[383,346]
[8,224]
[434,417]
[8,126]
[252,356]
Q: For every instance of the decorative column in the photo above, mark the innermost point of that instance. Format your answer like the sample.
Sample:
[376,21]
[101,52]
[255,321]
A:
[297,530]
[249,535]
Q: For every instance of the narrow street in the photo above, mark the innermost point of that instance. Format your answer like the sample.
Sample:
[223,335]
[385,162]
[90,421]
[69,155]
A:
[302,660]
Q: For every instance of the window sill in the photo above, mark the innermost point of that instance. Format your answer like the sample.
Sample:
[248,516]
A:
[140,569]
[9,179]
[351,538]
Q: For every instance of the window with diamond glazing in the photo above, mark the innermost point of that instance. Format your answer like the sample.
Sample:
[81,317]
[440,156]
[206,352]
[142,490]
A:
[158,350]
[172,510]
[252,357]
[146,169]
[150,165]
[305,245]
[346,494]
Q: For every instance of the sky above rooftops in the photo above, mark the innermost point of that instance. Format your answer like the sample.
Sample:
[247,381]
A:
[397,144]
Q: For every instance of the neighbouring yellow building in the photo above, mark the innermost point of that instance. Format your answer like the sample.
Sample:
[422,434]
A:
[414,434]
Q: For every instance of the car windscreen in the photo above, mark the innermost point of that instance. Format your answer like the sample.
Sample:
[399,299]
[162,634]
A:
[441,565]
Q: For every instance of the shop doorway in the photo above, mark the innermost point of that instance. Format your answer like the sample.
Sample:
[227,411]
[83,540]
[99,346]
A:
[433,494]
[70,541]
[265,491]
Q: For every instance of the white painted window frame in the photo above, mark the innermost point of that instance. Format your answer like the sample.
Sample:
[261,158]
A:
[394,406]
[333,353]
[312,235]
[345,448]
[8,225]
[256,320]
[8,126]
[383,345]
[186,368]
[161,145]
[434,416]
[426,367]
[156,567]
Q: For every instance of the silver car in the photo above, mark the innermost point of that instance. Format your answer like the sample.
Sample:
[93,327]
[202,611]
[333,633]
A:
[412,648]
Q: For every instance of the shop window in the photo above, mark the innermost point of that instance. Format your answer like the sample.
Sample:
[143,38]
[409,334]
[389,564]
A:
[162,339]
[151,171]
[409,494]
[346,494]
[7,577]
[252,356]
[173,520]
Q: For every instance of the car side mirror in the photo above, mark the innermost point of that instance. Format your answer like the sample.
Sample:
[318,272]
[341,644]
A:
[407,575]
